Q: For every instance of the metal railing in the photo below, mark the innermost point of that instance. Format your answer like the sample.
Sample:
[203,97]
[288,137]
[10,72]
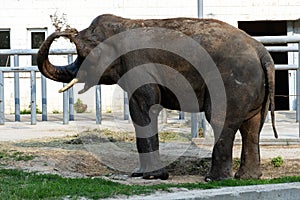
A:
[68,97]
[268,40]
[286,40]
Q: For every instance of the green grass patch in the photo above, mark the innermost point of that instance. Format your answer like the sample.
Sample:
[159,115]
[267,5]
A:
[28,111]
[277,161]
[16,184]
[15,155]
[169,136]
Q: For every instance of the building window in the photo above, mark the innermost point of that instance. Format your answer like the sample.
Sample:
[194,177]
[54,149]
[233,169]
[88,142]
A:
[4,44]
[37,38]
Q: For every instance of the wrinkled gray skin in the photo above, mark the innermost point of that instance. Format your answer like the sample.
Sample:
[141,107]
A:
[245,66]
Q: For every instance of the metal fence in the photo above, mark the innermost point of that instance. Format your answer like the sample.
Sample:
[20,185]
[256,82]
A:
[266,40]
[68,108]
[286,40]
[68,97]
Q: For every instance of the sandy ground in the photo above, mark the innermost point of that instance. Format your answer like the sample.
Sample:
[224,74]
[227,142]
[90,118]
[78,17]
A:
[58,149]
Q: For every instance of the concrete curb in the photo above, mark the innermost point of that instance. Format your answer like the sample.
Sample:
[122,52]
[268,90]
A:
[262,142]
[284,191]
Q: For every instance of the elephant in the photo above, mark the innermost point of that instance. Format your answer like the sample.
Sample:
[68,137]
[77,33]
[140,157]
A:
[231,80]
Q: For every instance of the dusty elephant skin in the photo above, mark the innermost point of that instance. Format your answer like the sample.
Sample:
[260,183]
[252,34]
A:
[245,66]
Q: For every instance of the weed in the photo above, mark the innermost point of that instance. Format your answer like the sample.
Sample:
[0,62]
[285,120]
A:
[28,111]
[170,136]
[56,112]
[277,161]
[15,155]
[79,106]
[236,163]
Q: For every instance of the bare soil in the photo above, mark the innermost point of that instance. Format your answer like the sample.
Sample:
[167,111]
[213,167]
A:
[72,157]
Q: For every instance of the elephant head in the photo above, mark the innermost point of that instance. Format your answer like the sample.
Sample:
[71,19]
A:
[85,41]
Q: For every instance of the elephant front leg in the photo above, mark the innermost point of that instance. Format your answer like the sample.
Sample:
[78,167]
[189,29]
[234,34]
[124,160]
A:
[144,110]
[150,165]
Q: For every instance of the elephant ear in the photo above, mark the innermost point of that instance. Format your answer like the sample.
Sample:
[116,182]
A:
[112,28]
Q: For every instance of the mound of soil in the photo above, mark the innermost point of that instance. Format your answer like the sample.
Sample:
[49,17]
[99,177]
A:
[114,159]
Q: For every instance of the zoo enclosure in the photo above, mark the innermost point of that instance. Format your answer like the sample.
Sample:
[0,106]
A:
[68,100]
[68,97]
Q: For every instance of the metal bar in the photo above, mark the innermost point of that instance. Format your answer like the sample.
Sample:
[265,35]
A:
[126,106]
[298,89]
[35,51]
[194,125]
[278,39]
[71,104]
[194,116]
[98,104]
[286,67]
[282,48]
[44,98]
[71,94]
[164,116]
[264,39]
[200,8]
[181,115]
[2,115]
[17,90]
[203,125]
[65,106]
[33,97]
[19,69]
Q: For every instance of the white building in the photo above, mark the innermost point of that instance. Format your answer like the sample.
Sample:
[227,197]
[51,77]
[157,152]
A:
[25,23]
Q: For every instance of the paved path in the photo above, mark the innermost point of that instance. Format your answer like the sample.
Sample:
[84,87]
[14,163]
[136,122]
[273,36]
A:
[285,122]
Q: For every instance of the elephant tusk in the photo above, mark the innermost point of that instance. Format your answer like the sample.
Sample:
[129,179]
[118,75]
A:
[69,85]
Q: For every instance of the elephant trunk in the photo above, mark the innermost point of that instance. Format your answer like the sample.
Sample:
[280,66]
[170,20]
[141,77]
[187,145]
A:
[58,73]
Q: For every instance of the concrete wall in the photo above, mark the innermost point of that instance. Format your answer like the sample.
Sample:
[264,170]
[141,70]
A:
[23,16]
[251,10]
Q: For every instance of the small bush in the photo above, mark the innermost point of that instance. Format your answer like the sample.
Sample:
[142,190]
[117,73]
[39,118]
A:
[236,163]
[79,106]
[277,161]
[28,111]
[15,155]
[56,112]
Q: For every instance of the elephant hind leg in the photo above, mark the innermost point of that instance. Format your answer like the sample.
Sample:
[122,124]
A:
[221,167]
[250,155]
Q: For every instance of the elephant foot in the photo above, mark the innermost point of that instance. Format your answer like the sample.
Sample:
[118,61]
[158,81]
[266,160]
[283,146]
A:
[157,174]
[246,174]
[210,178]
[136,174]
[218,175]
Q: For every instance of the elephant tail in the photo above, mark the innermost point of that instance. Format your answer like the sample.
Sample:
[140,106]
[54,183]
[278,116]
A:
[269,68]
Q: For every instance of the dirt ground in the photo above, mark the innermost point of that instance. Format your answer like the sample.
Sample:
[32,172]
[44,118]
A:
[113,158]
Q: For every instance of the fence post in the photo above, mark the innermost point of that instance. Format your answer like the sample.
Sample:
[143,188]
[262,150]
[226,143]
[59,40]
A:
[298,89]
[2,115]
[71,94]
[71,104]
[126,106]
[98,104]
[181,115]
[33,97]
[65,106]
[164,116]
[17,89]
[194,125]
[44,98]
